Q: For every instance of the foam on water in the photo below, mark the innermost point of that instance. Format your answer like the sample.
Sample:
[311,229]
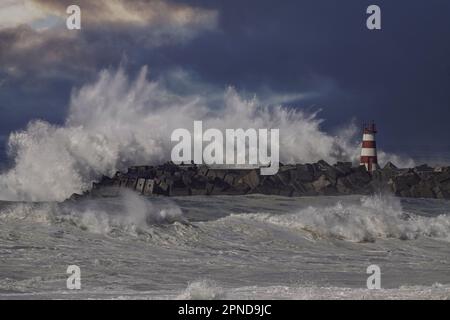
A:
[209,290]
[116,122]
[210,248]
[202,290]
[128,212]
[376,217]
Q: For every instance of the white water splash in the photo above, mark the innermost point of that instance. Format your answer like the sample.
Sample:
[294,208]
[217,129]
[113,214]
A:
[128,213]
[116,122]
[375,218]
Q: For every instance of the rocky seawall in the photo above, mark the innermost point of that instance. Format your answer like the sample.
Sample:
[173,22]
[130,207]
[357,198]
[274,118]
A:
[312,179]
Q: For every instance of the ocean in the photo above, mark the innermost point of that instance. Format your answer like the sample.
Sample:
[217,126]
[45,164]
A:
[226,247]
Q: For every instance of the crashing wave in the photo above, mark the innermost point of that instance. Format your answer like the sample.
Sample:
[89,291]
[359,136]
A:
[116,122]
[375,217]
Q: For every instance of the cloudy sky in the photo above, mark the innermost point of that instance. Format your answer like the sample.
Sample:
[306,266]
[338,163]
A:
[302,53]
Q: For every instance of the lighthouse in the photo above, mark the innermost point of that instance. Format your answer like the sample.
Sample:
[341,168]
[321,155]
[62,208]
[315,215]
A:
[369,147]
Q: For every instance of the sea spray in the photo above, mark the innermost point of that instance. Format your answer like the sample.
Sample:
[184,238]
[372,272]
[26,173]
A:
[376,217]
[129,213]
[116,122]
[256,258]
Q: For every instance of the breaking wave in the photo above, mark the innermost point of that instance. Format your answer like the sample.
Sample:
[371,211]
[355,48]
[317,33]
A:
[377,217]
[129,213]
[116,122]
[126,243]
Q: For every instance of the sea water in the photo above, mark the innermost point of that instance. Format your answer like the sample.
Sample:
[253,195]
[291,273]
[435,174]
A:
[226,247]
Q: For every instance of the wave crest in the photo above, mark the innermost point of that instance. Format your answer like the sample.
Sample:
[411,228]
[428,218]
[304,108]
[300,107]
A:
[376,217]
[129,213]
[116,122]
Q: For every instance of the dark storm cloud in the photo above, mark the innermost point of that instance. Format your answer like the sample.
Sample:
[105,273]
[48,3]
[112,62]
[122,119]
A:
[158,13]
[316,53]
[398,76]
[109,29]
[40,65]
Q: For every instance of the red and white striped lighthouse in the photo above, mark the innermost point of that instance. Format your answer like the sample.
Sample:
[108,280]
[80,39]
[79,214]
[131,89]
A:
[369,148]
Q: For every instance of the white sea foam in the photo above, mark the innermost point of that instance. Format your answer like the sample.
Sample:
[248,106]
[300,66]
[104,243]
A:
[115,122]
[202,290]
[133,251]
[212,292]
[128,213]
[435,291]
[376,217]
[133,215]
